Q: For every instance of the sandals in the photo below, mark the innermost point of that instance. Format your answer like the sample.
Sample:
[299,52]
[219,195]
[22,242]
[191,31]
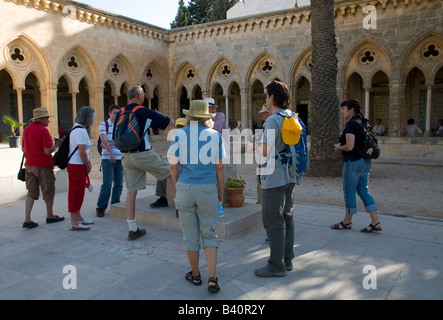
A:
[343,226]
[372,228]
[213,289]
[194,280]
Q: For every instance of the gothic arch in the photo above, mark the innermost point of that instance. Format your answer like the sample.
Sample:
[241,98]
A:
[76,62]
[153,77]
[302,67]
[264,68]
[424,53]
[119,71]
[21,55]
[366,59]
[223,72]
[186,76]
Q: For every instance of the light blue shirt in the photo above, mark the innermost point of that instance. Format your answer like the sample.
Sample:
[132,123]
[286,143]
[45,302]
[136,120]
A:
[198,148]
[275,175]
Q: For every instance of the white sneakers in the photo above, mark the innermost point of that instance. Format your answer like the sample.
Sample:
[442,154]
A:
[82,225]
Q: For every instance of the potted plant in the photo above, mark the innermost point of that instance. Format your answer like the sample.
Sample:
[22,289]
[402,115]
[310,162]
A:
[14,140]
[234,188]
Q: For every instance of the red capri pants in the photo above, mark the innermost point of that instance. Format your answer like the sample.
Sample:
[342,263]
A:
[76,187]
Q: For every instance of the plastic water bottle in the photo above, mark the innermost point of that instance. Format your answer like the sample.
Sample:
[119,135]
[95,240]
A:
[220,211]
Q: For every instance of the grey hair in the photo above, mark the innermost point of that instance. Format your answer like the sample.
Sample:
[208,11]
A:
[134,91]
[85,116]
[207,122]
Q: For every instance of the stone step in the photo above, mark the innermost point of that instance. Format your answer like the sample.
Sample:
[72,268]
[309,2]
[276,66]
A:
[235,222]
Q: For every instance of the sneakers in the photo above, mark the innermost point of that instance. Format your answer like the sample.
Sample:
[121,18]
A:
[80,227]
[132,235]
[86,221]
[55,219]
[161,202]
[267,272]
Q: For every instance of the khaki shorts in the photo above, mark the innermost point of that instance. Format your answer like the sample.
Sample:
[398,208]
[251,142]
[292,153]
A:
[197,205]
[43,177]
[135,166]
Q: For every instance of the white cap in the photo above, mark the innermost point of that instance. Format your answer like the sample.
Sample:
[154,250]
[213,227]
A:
[210,101]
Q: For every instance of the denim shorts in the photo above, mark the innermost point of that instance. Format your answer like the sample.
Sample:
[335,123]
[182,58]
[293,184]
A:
[355,181]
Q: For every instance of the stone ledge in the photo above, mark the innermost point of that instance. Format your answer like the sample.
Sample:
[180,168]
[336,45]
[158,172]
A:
[235,222]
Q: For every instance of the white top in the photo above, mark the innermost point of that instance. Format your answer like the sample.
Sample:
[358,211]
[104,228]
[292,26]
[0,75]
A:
[115,150]
[77,137]
[411,129]
[379,129]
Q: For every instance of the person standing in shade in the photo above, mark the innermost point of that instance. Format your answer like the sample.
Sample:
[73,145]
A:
[355,169]
[79,167]
[196,165]
[38,148]
[111,164]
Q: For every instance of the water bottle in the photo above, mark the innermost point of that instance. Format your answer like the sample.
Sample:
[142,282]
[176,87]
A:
[220,211]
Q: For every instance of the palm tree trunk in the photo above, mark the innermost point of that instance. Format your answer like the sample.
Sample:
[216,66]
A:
[324,97]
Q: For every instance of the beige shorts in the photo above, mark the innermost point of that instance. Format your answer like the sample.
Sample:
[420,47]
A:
[137,164]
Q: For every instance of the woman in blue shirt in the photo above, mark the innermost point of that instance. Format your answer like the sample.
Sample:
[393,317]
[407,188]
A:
[195,162]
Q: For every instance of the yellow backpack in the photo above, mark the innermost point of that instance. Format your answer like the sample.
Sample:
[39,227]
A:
[291,130]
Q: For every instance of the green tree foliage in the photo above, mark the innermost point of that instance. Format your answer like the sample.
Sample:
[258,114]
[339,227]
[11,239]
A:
[201,11]
[182,17]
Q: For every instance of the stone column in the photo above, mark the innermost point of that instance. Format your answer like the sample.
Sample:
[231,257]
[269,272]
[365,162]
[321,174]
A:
[52,107]
[428,111]
[244,107]
[367,95]
[20,107]
[74,105]
[227,111]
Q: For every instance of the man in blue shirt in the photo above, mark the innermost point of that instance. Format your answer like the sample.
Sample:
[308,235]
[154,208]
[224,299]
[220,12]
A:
[142,159]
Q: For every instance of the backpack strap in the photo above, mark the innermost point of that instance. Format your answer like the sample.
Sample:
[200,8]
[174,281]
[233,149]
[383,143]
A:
[76,148]
[144,132]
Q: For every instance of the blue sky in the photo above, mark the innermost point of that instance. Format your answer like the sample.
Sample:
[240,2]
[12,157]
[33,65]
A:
[157,12]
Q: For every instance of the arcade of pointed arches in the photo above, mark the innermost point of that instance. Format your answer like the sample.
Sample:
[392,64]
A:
[414,82]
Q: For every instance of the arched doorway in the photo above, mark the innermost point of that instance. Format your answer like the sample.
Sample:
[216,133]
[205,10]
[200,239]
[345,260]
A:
[64,104]
[8,101]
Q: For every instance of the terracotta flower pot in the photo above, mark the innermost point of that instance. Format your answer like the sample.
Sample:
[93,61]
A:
[235,196]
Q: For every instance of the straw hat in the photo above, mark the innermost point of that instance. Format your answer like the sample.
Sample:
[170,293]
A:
[199,109]
[180,122]
[264,109]
[41,112]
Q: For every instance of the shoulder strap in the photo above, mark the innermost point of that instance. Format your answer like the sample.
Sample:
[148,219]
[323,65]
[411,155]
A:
[136,108]
[76,148]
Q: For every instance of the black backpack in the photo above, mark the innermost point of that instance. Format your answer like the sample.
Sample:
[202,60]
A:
[369,148]
[126,130]
[62,156]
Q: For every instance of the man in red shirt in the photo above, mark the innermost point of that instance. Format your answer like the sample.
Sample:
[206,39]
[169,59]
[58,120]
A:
[38,148]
